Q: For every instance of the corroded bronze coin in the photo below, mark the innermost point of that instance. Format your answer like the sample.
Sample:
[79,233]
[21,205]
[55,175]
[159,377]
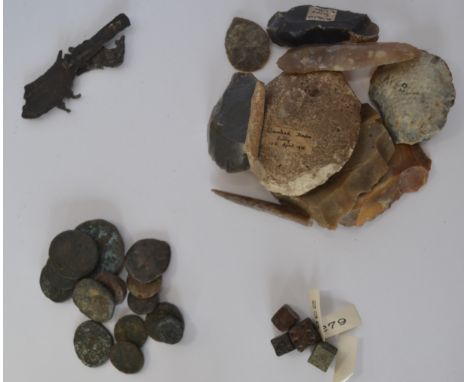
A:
[114,283]
[92,343]
[94,300]
[142,305]
[54,286]
[146,290]
[147,259]
[165,324]
[74,254]
[131,328]
[109,242]
[247,45]
[126,357]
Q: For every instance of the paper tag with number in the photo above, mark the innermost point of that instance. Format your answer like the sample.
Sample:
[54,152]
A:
[314,296]
[345,358]
[341,321]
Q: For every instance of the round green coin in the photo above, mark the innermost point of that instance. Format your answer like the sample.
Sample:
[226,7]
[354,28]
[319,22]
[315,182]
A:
[54,286]
[94,300]
[73,254]
[92,343]
[131,328]
[142,305]
[126,357]
[109,242]
[165,324]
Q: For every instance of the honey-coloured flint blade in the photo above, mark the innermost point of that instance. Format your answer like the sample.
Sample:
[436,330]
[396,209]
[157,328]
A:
[344,57]
[282,210]
[408,172]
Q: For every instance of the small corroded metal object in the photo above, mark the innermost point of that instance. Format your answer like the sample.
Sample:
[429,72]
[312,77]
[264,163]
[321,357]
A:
[414,97]
[54,286]
[318,25]
[328,203]
[131,328]
[247,45]
[50,89]
[285,318]
[304,334]
[282,344]
[408,171]
[165,324]
[73,254]
[343,57]
[146,290]
[299,147]
[109,242]
[147,259]
[229,120]
[142,305]
[323,355]
[92,343]
[126,357]
[94,300]
[114,283]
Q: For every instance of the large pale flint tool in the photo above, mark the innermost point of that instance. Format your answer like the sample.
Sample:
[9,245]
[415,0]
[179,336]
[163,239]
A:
[317,25]
[310,128]
[342,57]
[50,89]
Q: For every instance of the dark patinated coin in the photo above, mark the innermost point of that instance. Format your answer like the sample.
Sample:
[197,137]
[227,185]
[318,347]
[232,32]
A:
[94,300]
[74,254]
[165,324]
[147,259]
[126,357]
[92,343]
[109,242]
[54,286]
[132,329]
[142,305]
[247,45]
[285,318]
[114,283]
[304,334]
[146,290]
[282,344]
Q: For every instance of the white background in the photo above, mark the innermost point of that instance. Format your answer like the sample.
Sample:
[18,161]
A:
[133,151]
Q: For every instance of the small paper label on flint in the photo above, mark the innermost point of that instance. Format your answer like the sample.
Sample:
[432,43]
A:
[321,14]
[288,139]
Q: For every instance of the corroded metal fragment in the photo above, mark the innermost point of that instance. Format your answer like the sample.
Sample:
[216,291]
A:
[342,57]
[414,97]
[323,355]
[247,45]
[165,324]
[328,203]
[109,242]
[92,343]
[309,132]
[230,119]
[54,286]
[286,211]
[131,328]
[144,290]
[409,169]
[147,259]
[106,57]
[50,89]
[126,357]
[304,334]
[73,254]
[114,283]
[94,300]
[282,344]
[311,25]
[142,305]
[285,318]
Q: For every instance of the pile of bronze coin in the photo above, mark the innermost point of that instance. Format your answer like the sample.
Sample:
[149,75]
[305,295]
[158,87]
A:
[300,335]
[324,155]
[84,264]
